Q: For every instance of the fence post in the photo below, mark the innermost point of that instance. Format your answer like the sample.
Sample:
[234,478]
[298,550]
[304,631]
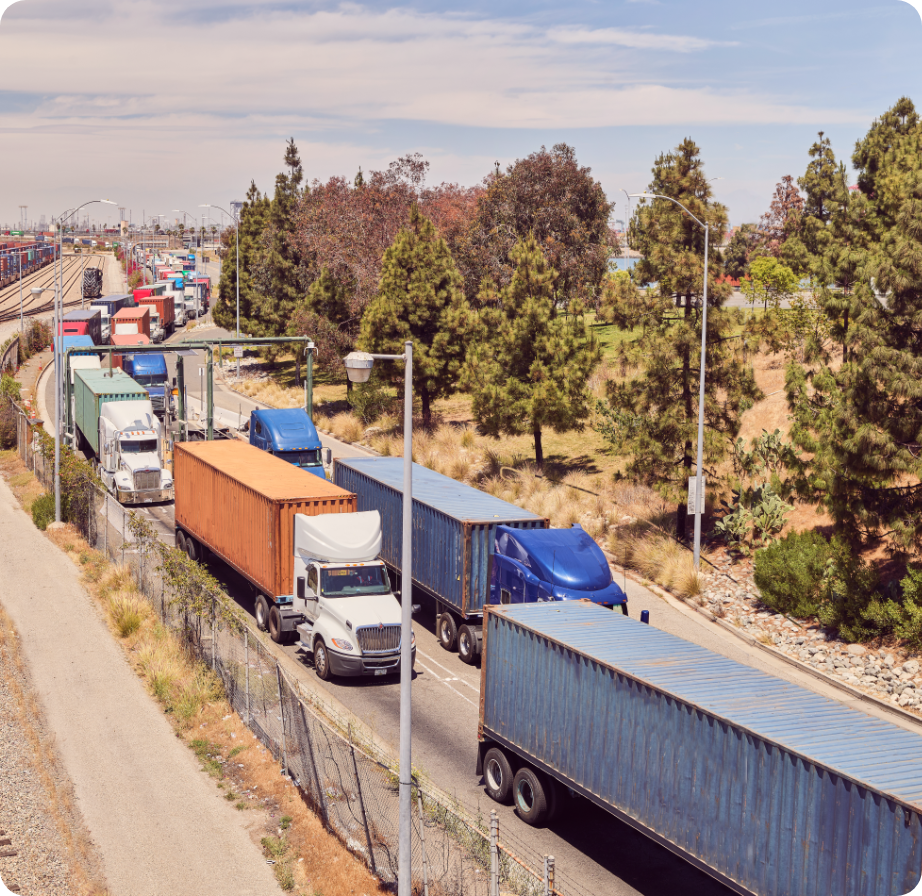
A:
[358,786]
[278,678]
[422,839]
[123,533]
[494,853]
[214,635]
[310,750]
[105,541]
[246,659]
[549,876]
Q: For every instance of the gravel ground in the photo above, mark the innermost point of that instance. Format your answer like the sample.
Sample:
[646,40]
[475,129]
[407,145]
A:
[888,673]
[30,795]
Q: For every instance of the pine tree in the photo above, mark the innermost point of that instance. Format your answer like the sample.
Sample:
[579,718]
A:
[252,222]
[530,368]
[736,258]
[420,299]
[652,417]
[861,424]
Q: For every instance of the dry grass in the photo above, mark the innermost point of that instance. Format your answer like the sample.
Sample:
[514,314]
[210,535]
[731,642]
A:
[271,393]
[83,863]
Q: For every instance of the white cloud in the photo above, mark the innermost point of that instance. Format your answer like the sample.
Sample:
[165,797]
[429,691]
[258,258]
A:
[676,43]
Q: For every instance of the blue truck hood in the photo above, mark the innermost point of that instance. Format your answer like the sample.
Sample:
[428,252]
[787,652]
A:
[290,429]
[148,365]
[567,559]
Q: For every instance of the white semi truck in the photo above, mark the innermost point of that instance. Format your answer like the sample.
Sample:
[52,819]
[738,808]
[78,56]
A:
[116,426]
[343,590]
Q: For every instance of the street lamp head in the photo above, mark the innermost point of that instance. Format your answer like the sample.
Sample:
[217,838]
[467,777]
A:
[38,290]
[643,195]
[358,366]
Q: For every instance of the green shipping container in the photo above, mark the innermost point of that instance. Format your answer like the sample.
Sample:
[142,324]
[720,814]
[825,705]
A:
[92,389]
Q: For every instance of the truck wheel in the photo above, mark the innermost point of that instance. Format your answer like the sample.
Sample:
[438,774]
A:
[262,613]
[321,660]
[468,645]
[447,630]
[624,608]
[275,625]
[181,540]
[192,549]
[498,774]
[529,797]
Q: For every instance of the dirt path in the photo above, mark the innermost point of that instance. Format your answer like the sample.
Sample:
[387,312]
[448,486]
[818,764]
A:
[160,825]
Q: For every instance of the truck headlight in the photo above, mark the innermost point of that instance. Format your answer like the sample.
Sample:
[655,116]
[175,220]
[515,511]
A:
[413,639]
[341,644]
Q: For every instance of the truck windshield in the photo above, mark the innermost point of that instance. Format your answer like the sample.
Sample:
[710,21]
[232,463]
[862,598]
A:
[141,446]
[149,379]
[354,580]
[309,458]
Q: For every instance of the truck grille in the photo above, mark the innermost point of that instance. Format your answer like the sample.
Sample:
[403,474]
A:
[145,480]
[376,639]
[156,402]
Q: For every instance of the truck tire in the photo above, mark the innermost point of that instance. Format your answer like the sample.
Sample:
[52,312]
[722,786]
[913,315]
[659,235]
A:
[498,774]
[193,549]
[624,608]
[468,644]
[322,660]
[275,625]
[446,628]
[262,613]
[529,796]
[181,540]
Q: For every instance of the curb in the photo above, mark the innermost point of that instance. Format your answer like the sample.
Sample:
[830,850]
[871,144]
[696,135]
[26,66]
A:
[681,603]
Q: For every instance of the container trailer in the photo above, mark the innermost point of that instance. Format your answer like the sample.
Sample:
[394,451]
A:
[83,322]
[132,321]
[768,787]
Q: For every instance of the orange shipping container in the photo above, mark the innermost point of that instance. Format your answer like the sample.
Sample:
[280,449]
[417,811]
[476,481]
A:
[241,502]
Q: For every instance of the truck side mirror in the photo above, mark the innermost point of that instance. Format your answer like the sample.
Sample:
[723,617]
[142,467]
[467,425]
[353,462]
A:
[300,588]
[327,456]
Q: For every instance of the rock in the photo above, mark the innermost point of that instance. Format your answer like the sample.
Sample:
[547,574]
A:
[856,661]
[912,667]
[820,657]
[904,699]
[848,677]
[856,650]
[813,650]
[890,661]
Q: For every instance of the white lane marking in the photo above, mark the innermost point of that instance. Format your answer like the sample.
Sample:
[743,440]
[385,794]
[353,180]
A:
[446,683]
[437,663]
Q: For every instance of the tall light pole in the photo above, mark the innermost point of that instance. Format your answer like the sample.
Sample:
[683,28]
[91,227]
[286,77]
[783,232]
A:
[195,276]
[57,329]
[358,369]
[237,244]
[699,479]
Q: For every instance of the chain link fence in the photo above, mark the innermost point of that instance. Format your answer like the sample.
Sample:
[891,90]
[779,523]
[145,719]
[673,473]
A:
[347,778]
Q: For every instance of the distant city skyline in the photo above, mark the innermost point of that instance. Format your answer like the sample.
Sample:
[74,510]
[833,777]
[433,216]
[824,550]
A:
[166,106]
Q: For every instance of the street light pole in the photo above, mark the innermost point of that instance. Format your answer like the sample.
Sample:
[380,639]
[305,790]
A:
[57,329]
[358,368]
[699,478]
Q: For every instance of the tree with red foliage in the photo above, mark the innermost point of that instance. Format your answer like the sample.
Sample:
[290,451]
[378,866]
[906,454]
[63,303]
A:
[780,225]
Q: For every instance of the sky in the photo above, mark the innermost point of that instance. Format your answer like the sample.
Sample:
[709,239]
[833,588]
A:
[167,105]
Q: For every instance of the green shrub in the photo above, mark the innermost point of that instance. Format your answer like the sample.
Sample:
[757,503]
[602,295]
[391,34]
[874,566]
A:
[850,596]
[43,510]
[789,573]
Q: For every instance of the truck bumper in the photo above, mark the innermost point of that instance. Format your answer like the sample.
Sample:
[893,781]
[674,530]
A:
[148,496]
[353,666]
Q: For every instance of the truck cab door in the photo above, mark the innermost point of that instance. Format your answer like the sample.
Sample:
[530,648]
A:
[312,594]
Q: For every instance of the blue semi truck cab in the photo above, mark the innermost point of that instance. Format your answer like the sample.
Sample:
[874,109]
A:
[539,565]
[289,434]
[149,371]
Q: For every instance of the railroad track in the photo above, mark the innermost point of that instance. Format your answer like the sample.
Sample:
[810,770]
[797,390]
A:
[72,274]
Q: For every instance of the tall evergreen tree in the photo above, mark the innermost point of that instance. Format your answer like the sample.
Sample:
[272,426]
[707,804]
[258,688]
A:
[420,298]
[252,222]
[530,368]
[652,417]
[861,424]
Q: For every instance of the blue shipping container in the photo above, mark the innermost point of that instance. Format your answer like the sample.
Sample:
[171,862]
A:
[770,788]
[454,526]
